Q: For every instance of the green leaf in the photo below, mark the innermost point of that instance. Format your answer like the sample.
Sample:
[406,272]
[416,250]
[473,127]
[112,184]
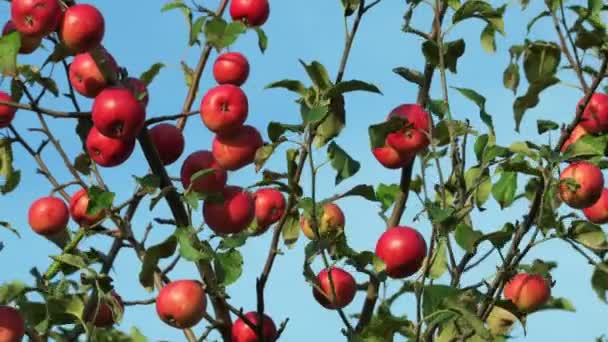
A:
[510,78]
[188,74]
[352,85]
[99,200]
[314,114]
[350,6]
[535,19]
[501,237]
[262,155]
[291,230]
[333,123]
[440,261]
[196,29]
[8,226]
[541,60]
[232,32]
[451,52]
[467,238]
[599,280]
[410,75]
[530,99]
[262,39]
[558,304]
[587,146]
[137,336]
[481,10]
[83,164]
[504,190]
[342,162]
[488,43]
[365,191]
[589,235]
[71,260]
[151,258]
[378,132]
[276,130]
[177,4]
[10,291]
[9,48]
[149,183]
[228,266]
[148,76]
[233,241]
[387,194]
[546,125]
[189,248]
[291,85]
[434,295]
[318,74]
[480,101]
[469,316]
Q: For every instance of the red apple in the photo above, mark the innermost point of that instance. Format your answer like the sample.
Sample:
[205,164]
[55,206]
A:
[390,158]
[169,142]
[332,221]
[48,216]
[78,209]
[108,152]
[12,326]
[252,12]
[139,89]
[589,184]
[403,250]
[82,28]
[231,68]
[118,114]
[598,212]
[7,113]
[241,332]
[86,77]
[224,108]
[108,312]
[29,44]
[578,132]
[528,291]
[237,149]
[181,303]
[415,135]
[232,214]
[595,115]
[344,286]
[269,207]
[36,17]
[199,161]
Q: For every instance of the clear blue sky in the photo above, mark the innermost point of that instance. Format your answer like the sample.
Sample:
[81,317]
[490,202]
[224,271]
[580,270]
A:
[138,35]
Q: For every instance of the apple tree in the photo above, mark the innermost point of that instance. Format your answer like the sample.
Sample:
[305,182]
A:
[440,159]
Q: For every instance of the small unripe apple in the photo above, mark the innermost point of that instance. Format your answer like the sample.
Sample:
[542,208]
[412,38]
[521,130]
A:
[390,158]
[48,216]
[139,89]
[108,311]
[36,17]
[598,212]
[252,12]
[237,149]
[108,152]
[528,291]
[231,68]
[233,214]
[181,303]
[78,209]
[7,113]
[578,132]
[344,286]
[403,250]
[332,222]
[199,161]
[588,188]
[82,28]
[169,142]
[29,44]
[595,115]
[415,135]
[118,114]
[12,326]
[86,77]
[269,208]
[224,108]
[241,332]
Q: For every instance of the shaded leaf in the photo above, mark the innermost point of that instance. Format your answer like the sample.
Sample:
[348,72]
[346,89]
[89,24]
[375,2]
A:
[342,162]
[228,266]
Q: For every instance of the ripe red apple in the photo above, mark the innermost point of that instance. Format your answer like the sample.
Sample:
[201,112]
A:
[118,114]
[269,208]
[241,332]
[598,212]
[181,303]
[48,216]
[578,132]
[414,137]
[233,214]
[108,312]
[231,68]
[589,180]
[78,209]
[345,288]
[12,326]
[253,12]
[169,142]
[595,115]
[139,89]
[108,152]
[528,291]
[29,44]
[82,28]
[86,77]
[237,149]
[199,161]
[7,113]
[403,250]
[390,158]
[36,17]
[332,221]
[224,108]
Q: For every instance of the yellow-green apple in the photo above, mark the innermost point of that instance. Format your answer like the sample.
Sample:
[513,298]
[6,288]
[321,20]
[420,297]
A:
[241,332]
[12,326]
[581,184]
[208,183]
[232,214]
[236,149]
[252,12]
[48,216]
[331,223]
[7,113]
[224,108]
[169,142]
[403,250]
[108,152]
[598,212]
[181,303]
[118,114]
[595,115]
[414,136]
[36,17]
[82,28]
[79,202]
[344,286]
[231,68]
[29,44]
[86,77]
[528,291]
[269,208]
